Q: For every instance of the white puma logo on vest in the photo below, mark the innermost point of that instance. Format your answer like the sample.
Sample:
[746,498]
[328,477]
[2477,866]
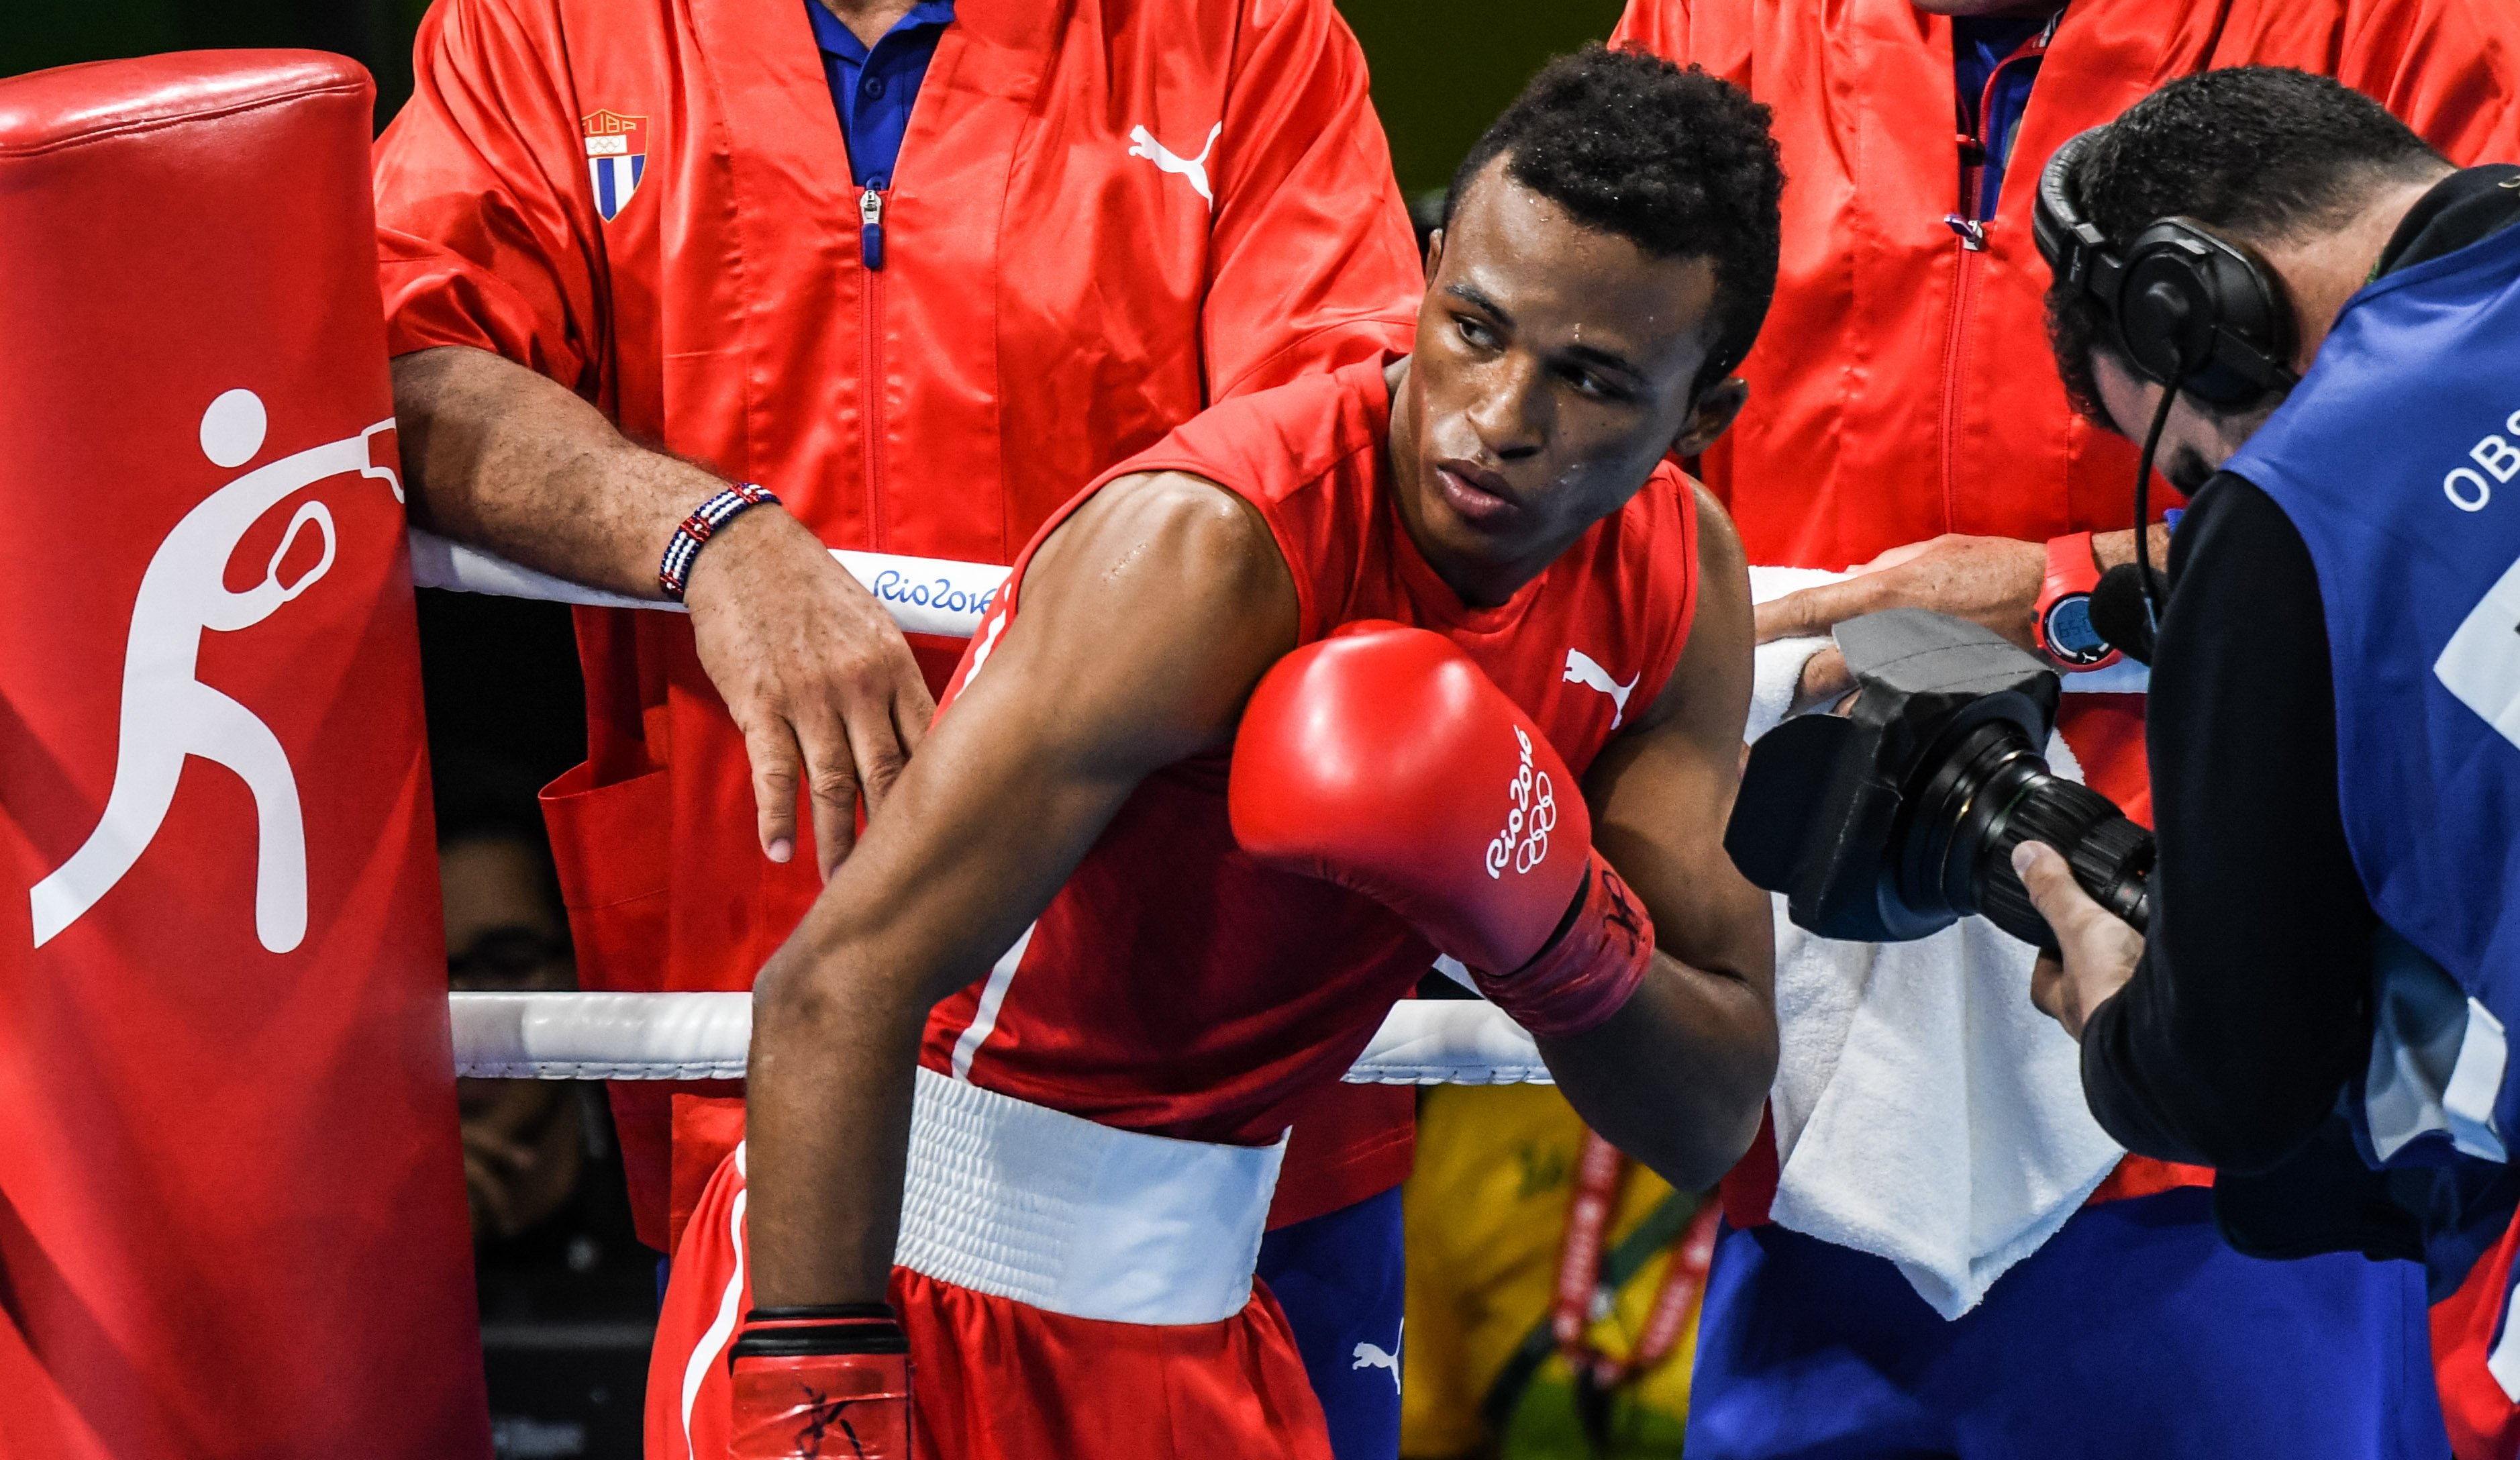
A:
[169,715]
[1164,157]
[1582,668]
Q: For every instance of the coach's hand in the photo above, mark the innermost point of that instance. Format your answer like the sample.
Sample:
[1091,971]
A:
[818,678]
[2099,950]
[1990,581]
[815,672]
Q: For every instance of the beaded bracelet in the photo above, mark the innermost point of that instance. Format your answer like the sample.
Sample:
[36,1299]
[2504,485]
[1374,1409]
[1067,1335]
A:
[715,512]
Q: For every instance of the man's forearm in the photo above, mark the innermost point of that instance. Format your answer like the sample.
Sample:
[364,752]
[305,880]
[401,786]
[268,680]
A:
[504,459]
[828,1138]
[1678,1076]
[2111,549]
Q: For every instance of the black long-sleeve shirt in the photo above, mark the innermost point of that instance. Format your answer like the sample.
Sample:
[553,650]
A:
[2251,1009]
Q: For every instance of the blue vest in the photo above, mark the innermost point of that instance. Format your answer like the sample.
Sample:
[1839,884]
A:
[2398,459]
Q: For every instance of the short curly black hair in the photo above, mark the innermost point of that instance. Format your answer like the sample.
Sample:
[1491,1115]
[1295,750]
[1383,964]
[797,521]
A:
[2259,153]
[1675,161]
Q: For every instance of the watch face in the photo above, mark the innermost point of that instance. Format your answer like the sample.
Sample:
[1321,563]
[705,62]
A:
[2071,639]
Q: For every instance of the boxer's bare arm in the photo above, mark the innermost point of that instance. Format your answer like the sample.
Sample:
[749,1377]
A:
[812,669]
[1677,1078]
[1145,619]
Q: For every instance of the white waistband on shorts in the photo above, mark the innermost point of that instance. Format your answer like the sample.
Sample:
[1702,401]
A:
[1014,1198]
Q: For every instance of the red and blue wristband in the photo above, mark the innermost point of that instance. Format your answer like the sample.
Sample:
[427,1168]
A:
[675,572]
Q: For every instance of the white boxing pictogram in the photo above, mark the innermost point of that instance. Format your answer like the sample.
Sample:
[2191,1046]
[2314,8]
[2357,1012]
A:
[1165,158]
[1584,669]
[168,714]
[1525,842]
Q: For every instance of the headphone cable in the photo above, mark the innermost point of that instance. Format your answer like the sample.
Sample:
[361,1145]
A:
[2144,502]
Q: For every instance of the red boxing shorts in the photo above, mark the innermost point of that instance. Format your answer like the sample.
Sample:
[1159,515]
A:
[1043,1272]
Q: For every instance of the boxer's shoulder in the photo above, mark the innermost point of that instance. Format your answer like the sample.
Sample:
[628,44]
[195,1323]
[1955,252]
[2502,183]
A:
[1307,456]
[1273,445]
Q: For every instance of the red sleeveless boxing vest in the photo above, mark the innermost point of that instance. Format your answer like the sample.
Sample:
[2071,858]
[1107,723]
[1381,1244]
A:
[1176,987]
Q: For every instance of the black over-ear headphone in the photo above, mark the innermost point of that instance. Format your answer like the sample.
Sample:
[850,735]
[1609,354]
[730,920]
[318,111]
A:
[2194,311]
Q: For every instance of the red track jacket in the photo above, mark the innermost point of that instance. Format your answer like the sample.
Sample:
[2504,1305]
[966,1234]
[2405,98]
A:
[1902,386]
[1057,295]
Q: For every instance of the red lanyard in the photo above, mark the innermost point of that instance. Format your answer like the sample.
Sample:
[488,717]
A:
[1582,1296]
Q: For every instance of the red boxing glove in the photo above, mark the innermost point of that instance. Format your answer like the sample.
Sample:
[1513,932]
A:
[1382,760]
[822,1381]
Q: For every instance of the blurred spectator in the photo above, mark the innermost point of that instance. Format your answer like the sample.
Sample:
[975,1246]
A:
[505,930]
[568,1293]
[1494,1227]
[540,1171]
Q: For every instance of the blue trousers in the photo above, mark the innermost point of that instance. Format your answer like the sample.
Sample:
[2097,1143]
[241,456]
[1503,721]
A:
[1343,1282]
[2134,1332]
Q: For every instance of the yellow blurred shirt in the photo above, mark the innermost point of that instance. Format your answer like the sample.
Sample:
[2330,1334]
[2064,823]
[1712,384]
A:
[1486,1215]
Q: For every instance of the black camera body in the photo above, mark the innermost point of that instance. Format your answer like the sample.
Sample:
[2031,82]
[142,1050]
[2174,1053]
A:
[1896,820]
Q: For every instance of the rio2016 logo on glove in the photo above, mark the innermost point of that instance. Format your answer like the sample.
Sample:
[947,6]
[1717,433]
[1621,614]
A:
[1525,842]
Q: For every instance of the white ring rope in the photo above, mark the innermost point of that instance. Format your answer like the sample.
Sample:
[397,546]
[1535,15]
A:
[924,595]
[704,1035]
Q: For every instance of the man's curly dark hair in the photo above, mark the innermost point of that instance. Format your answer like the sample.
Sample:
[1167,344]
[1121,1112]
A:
[2259,154]
[1672,159]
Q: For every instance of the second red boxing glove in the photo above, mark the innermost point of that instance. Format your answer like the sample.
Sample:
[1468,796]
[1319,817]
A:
[1383,759]
[820,1382]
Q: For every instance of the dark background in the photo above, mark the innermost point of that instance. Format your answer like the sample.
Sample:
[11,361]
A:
[1442,69]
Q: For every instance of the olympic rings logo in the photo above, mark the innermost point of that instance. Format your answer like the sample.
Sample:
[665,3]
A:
[892,585]
[1525,842]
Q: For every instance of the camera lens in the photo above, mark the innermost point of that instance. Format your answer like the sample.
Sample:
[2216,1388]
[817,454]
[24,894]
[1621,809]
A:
[1899,818]
[1990,792]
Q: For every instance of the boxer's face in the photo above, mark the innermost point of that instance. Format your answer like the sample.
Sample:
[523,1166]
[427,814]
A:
[1552,370]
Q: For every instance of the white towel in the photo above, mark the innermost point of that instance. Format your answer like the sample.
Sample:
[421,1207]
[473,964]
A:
[1925,1113]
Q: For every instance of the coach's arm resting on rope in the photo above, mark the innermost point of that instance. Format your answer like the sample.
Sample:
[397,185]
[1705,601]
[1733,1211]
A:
[810,666]
[1145,624]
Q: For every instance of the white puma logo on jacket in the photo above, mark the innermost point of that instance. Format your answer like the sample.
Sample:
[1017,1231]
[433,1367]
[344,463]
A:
[1165,158]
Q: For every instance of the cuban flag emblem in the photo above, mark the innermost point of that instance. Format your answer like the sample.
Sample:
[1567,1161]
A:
[617,158]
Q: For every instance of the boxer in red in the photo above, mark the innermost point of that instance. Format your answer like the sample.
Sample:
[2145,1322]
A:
[1439,659]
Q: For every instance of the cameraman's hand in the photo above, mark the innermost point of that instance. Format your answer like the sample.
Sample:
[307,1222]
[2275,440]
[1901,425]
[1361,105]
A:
[1826,680]
[815,673]
[2101,952]
[1990,581]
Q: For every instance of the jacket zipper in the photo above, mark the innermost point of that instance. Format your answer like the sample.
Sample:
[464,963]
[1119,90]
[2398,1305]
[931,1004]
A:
[1970,225]
[1955,346]
[870,365]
